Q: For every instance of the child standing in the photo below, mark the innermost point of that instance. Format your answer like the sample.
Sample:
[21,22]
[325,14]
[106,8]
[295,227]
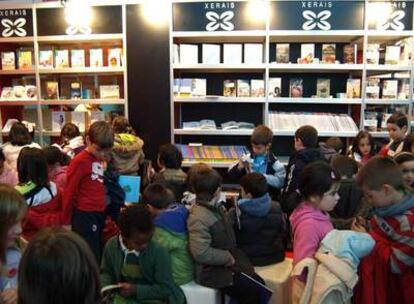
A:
[72,141]
[397,126]
[57,163]
[405,161]
[84,197]
[387,273]
[362,147]
[7,175]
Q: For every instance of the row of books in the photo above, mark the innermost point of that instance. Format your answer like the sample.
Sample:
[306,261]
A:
[76,92]
[80,119]
[212,153]
[376,121]
[394,54]
[323,122]
[27,92]
[208,124]
[389,89]
[24,60]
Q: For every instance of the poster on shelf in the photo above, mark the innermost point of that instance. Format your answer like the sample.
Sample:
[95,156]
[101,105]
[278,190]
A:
[395,15]
[16,22]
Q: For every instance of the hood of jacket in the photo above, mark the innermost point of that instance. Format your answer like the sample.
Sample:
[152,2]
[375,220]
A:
[396,209]
[173,219]
[327,150]
[258,207]
[41,197]
[305,212]
[309,155]
[58,171]
[76,142]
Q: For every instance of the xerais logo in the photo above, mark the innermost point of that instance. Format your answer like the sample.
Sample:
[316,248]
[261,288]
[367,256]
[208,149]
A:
[316,21]
[14,27]
[222,21]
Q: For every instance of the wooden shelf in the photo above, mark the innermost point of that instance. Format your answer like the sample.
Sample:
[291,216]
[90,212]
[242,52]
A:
[18,102]
[387,67]
[308,100]
[387,101]
[316,36]
[387,36]
[219,99]
[17,40]
[70,39]
[222,68]
[320,133]
[220,37]
[86,70]
[214,164]
[82,101]
[212,132]
[320,67]
[17,72]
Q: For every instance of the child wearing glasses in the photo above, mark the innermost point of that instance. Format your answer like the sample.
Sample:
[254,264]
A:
[405,161]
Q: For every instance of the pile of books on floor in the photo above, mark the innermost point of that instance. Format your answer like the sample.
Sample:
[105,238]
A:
[201,153]
[323,122]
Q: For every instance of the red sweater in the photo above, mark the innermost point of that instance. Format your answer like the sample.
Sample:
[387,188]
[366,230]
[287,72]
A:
[84,186]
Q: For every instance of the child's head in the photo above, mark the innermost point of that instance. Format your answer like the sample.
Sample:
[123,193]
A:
[58,267]
[55,157]
[406,162]
[397,126]
[32,167]
[306,137]
[19,135]
[363,143]
[319,185]
[169,156]
[335,143]
[409,143]
[261,140]
[380,180]
[194,168]
[2,160]
[157,197]
[136,227]
[206,183]
[253,185]
[345,166]
[121,125]
[100,139]
[69,131]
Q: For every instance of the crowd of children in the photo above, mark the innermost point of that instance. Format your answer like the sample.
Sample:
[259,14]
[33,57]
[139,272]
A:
[59,219]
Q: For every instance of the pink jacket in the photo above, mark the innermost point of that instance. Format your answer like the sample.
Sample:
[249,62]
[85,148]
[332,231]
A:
[58,176]
[9,176]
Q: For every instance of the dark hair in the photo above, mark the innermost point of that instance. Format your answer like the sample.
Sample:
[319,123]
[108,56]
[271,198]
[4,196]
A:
[69,131]
[255,184]
[262,135]
[19,135]
[32,166]
[205,182]
[54,155]
[191,173]
[2,157]
[121,125]
[380,171]
[170,156]
[100,133]
[335,143]
[408,142]
[158,196]
[308,135]
[345,166]
[135,219]
[358,138]
[399,119]
[403,157]
[316,179]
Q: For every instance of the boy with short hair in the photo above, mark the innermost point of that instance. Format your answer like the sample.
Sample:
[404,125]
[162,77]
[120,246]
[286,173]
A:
[397,126]
[170,220]
[261,160]
[138,264]
[306,152]
[387,274]
[84,196]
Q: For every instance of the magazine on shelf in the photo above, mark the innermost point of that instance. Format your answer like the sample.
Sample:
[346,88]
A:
[253,53]
[229,88]
[52,90]
[372,53]
[8,61]
[198,87]
[61,59]
[188,54]
[350,54]
[373,88]
[275,87]
[243,88]
[207,124]
[109,91]
[25,61]
[257,88]
[46,59]
[75,90]
[7,93]
[77,58]
[232,125]
[211,53]
[323,88]
[96,57]
[58,120]
[232,53]
[328,53]
[353,88]
[282,53]
[79,119]
[392,54]
[390,89]
[191,125]
[296,87]
[307,53]
[115,57]
[19,92]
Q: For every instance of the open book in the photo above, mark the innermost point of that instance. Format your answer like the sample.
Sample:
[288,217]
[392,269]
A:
[108,288]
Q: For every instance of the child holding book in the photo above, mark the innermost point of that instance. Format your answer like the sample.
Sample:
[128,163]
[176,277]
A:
[72,141]
[397,126]
[362,147]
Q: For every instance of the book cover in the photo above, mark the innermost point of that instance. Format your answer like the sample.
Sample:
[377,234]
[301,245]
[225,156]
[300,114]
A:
[229,88]
[61,59]
[131,187]
[8,61]
[96,57]
[243,88]
[46,59]
[390,89]
[328,53]
[296,87]
[307,52]
[25,60]
[353,88]
[350,52]
[114,57]
[79,118]
[186,85]
[199,87]
[58,120]
[75,90]
[323,88]
[373,89]
[275,87]
[257,88]
[232,53]
[7,93]
[97,116]
[31,92]
[188,54]
[404,89]
[211,53]
[253,53]
[19,92]
[109,91]
[282,53]
[52,90]
[77,58]
[392,54]
[372,53]
[176,86]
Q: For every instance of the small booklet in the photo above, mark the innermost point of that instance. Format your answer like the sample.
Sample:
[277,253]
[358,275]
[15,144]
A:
[265,293]
[131,186]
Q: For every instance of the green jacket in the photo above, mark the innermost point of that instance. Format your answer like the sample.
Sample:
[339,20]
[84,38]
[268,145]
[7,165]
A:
[155,267]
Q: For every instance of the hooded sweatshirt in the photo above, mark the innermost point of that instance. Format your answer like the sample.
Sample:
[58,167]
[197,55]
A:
[74,147]
[11,153]
[58,176]
[127,153]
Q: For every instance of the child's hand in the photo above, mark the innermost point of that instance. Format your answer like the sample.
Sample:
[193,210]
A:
[359,225]
[128,289]
[8,296]
[232,261]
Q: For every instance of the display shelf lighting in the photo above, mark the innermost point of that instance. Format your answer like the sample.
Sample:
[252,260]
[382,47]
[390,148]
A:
[156,11]
[78,16]
[379,13]
[257,10]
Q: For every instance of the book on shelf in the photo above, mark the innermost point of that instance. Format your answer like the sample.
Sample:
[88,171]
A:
[198,87]
[275,87]
[350,54]
[328,53]
[229,88]
[28,92]
[97,116]
[77,57]
[232,53]
[253,53]
[58,120]
[176,53]
[8,61]
[282,53]
[373,53]
[205,124]
[115,57]
[109,91]
[373,88]
[188,54]
[79,119]
[75,90]
[186,85]
[233,125]
[353,88]
[46,59]
[307,53]
[176,86]
[257,88]
[24,59]
[61,59]
[19,92]
[404,89]
[7,93]
[208,153]
[390,89]
[392,54]
[52,90]
[296,87]
[323,88]
[96,57]
[31,92]
[243,88]
[211,53]
[371,121]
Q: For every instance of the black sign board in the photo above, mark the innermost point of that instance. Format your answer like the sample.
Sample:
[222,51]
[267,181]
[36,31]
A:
[104,20]
[216,16]
[390,15]
[320,15]
[16,22]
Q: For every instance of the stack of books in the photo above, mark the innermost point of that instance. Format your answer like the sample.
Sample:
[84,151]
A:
[201,153]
